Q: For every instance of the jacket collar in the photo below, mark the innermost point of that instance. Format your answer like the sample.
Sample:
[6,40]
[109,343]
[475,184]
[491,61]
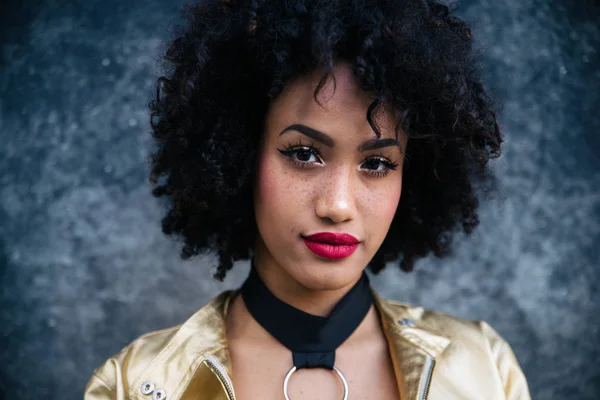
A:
[196,359]
[413,343]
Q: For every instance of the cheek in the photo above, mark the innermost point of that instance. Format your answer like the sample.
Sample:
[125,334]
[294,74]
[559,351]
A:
[266,186]
[273,188]
[393,200]
[384,203]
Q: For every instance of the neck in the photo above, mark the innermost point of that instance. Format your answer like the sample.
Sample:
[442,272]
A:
[317,301]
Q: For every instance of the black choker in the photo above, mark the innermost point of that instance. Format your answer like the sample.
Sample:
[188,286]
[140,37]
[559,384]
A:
[311,338]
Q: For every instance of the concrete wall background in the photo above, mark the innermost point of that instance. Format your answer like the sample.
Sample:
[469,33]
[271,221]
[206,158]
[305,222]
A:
[84,268]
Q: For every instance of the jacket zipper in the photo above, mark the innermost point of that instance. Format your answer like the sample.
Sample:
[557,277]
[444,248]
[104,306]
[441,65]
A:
[429,364]
[218,370]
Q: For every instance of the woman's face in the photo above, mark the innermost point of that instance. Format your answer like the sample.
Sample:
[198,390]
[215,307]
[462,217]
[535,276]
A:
[320,169]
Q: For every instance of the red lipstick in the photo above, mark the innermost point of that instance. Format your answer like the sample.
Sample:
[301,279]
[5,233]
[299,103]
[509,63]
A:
[331,245]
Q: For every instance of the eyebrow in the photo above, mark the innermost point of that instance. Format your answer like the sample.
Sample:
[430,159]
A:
[327,140]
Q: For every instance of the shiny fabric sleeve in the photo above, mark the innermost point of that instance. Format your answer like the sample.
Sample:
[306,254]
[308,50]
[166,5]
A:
[510,373]
[113,378]
[106,383]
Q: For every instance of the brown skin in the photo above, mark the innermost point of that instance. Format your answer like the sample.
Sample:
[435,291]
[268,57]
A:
[260,363]
[341,189]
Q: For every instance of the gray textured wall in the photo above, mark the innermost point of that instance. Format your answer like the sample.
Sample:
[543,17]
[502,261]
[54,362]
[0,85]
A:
[84,268]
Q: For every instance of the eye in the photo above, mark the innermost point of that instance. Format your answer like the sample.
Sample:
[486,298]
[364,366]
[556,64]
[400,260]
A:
[379,166]
[303,156]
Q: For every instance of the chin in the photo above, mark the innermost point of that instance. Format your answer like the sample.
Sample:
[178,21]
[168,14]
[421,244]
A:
[327,277]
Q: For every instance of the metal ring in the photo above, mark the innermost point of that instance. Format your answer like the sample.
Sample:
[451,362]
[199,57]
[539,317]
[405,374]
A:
[291,371]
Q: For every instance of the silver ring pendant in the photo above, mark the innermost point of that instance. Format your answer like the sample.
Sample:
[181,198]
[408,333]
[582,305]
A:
[291,372]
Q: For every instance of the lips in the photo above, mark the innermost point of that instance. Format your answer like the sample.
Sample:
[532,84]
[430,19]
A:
[331,245]
[333,238]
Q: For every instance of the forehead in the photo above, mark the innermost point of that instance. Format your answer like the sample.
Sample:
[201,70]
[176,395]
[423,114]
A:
[343,105]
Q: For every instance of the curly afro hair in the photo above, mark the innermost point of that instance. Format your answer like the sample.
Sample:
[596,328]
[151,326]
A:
[231,58]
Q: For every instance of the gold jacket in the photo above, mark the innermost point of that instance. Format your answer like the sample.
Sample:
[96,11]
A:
[435,357]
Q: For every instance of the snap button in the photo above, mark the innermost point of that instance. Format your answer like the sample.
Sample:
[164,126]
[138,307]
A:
[147,387]
[159,394]
[407,322]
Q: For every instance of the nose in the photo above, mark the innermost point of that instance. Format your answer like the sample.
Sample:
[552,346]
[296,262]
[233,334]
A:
[335,200]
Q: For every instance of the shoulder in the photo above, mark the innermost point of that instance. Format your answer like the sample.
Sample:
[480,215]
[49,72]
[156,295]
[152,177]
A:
[453,327]
[202,333]
[459,343]
[130,362]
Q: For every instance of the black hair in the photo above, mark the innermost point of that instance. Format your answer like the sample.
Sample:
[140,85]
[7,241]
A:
[232,57]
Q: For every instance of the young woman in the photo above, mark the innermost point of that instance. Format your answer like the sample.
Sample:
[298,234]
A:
[318,139]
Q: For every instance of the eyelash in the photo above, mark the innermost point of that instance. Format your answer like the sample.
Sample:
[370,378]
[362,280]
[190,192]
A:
[290,149]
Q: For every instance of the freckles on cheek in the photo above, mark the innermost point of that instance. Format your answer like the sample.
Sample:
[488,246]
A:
[273,183]
[266,181]
[388,203]
[283,192]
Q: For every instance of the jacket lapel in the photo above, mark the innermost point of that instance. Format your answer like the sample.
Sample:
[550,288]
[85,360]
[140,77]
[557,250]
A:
[183,368]
[197,359]
[209,380]
[413,347]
